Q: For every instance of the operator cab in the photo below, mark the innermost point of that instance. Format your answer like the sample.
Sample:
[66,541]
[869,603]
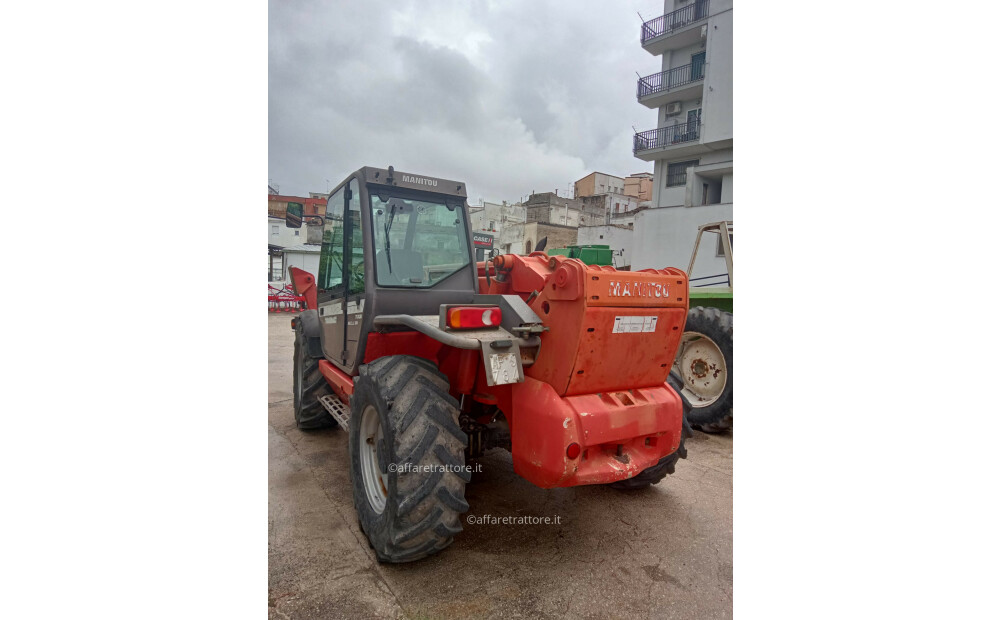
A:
[416,228]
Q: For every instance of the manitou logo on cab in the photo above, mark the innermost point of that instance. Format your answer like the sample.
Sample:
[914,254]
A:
[637,289]
[419,181]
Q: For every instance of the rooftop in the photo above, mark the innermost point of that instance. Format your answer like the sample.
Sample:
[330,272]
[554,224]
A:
[305,248]
[596,172]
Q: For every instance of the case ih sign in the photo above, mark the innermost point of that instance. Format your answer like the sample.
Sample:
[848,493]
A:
[482,240]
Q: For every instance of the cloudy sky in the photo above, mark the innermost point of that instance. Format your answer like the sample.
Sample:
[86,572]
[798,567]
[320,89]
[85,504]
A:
[509,96]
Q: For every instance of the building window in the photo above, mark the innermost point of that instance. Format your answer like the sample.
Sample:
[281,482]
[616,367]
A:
[677,173]
[493,224]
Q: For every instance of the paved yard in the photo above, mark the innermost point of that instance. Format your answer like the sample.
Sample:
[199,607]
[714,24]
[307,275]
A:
[665,552]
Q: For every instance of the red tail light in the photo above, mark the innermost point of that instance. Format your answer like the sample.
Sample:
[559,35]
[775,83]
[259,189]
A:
[471,317]
[572,450]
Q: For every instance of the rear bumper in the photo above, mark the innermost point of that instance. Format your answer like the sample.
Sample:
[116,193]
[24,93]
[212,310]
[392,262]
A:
[620,433]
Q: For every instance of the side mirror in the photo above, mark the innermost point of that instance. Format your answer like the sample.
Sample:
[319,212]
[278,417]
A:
[293,215]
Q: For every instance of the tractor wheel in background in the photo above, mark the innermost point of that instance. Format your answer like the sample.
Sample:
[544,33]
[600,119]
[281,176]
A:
[407,454]
[308,384]
[705,364]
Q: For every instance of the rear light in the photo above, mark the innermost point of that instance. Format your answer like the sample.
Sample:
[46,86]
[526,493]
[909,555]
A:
[573,450]
[471,317]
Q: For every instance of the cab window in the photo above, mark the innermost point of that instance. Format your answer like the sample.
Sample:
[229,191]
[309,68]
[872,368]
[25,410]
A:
[331,258]
[418,242]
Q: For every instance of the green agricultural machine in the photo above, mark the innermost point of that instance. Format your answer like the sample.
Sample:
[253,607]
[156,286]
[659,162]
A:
[589,254]
[703,368]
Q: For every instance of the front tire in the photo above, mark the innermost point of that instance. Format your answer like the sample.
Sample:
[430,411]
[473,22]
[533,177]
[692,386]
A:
[308,384]
[705,364]
[407,454]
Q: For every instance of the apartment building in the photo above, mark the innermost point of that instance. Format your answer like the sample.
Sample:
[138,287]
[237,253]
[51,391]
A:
[640,186]
[692,145]
[490,223]
[549,208]
[598,183]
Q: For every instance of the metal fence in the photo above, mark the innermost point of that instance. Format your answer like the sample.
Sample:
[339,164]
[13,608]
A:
[725,282]
[672,21]
[666,80]
[666,136]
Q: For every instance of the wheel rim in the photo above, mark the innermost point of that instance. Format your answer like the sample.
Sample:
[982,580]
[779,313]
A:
[376,485]
[702,366]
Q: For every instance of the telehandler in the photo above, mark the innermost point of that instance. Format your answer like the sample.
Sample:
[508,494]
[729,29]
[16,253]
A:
[428,359]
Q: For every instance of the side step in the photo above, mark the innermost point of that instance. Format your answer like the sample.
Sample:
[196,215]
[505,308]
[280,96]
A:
[340,412]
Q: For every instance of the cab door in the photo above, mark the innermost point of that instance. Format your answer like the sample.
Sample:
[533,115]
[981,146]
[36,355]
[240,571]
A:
[354,250]
[330,283]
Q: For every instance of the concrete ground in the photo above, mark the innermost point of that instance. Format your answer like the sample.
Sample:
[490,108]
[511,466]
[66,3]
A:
[664,552]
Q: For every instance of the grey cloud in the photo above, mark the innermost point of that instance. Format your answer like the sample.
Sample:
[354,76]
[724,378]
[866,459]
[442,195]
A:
[509,97]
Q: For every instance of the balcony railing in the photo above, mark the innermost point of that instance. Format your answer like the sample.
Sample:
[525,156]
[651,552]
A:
[666,80]
[666,136]
[665,24]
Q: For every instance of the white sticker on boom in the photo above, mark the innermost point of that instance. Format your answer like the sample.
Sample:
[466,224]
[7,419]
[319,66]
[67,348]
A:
[634,324]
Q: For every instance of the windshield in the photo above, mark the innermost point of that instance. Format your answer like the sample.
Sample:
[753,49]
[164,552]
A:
[418,243]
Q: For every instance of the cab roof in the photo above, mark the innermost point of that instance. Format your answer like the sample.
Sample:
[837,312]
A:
[408,180]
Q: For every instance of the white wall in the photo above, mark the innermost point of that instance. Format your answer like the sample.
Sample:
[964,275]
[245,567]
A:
[669,196]
[618,238]
[305,261]
[717,112]
[278,234]
[665,238]
[682,56]
[622,202]
[567,216]
[501,215]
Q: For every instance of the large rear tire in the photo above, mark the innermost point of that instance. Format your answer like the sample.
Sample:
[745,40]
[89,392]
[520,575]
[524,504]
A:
[407,455]
[705,364]
[308,384]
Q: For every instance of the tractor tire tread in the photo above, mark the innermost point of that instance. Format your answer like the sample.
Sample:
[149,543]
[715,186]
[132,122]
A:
[654,474]
[717,325]
[310,414]
[420,419]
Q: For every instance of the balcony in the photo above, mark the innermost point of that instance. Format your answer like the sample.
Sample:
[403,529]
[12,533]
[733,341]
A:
[677,84]
[674,141]
[674,30]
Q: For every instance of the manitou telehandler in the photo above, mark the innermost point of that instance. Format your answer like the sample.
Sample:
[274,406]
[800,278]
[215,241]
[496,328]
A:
[428,359]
